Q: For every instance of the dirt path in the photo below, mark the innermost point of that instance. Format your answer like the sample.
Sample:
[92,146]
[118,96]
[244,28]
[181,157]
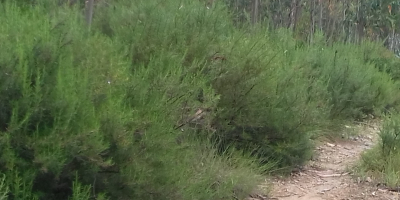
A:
[327,175]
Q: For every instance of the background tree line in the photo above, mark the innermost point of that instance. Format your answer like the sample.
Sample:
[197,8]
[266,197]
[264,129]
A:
[348,21]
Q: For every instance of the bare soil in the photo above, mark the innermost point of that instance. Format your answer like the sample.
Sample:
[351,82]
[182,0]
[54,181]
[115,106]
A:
[328,175]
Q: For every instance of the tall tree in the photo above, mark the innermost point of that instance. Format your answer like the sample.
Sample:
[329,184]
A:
[89,5]
[293,16]
[255,13]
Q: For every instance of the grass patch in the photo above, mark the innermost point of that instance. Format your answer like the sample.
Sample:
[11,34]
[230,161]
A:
[382,161]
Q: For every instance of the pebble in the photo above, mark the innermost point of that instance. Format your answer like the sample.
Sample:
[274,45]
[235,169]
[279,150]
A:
[330,144]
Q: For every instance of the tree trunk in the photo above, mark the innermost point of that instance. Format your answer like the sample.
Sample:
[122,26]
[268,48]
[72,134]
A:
[360,21]
[254,18]
[312,21]
[293,14]
[346,22]
[320,15]
[89,11]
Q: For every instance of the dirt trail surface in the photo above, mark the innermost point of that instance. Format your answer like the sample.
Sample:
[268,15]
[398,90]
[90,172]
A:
[328,176]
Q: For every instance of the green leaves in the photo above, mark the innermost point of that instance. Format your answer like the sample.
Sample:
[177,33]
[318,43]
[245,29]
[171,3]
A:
[3,188]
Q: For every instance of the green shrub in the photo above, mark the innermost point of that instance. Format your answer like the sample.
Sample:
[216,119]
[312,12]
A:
[273,93]
[186,28]
[383,59]
[356,88]
[267,104]
[3,188]
[383,160]
[88,104]
[209,46]
[110,112]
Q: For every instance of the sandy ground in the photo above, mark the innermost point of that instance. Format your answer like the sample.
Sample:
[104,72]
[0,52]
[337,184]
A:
[328,177]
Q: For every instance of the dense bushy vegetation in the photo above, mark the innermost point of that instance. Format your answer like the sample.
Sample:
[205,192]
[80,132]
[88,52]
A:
[382,161]
[167,100]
